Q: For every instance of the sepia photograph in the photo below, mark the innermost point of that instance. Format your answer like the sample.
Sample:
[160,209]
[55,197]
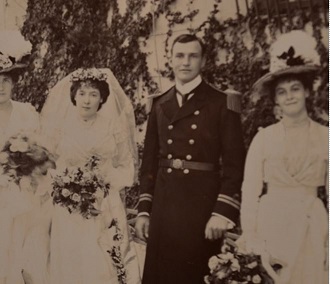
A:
[164,141]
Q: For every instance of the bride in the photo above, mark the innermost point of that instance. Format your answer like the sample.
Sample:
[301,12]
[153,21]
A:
[87,115]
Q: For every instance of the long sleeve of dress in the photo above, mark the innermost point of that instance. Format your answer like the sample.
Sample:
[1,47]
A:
[121,165]
[252,186]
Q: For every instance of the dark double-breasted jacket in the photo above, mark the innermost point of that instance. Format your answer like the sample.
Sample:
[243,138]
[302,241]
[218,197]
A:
[181,201]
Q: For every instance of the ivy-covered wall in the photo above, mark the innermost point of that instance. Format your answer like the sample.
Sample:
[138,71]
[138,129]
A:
[66,35]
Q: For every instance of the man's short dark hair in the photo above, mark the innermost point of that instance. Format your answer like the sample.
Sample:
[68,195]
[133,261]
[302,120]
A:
[188,38]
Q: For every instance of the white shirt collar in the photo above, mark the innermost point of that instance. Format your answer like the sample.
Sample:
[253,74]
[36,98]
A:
[188,87]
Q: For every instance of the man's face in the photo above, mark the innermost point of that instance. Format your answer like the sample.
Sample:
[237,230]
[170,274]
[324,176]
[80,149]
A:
[187,61]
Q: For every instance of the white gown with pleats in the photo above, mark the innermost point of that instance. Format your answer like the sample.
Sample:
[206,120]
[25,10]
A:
[79,246]
[289,222]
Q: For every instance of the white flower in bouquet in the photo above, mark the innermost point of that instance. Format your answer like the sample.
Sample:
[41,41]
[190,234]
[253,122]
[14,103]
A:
[235,265]
[224,258]
[87,176]
[57,179]
[19,146]
[83,183]
[206,279]
[222,274]
[256,279]
[66,179]
[76,197]
[252,265]
[213,263]
[65,192]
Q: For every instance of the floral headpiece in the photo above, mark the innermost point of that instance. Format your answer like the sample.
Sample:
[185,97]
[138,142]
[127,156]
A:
[292,53]
[85,74]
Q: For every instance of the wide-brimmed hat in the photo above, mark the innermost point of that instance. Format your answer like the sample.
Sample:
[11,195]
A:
[9,63]
[292,53]
[14,51]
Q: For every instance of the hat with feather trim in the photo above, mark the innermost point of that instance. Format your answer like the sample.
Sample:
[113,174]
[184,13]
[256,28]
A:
[293,53]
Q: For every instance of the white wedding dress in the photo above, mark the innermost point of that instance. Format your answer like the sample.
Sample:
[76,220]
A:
[79,246]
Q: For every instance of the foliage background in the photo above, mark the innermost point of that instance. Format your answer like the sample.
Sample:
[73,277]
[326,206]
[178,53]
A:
[66,35]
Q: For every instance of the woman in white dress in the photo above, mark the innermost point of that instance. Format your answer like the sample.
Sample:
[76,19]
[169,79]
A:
[288,224]
[87,114]
[15,117]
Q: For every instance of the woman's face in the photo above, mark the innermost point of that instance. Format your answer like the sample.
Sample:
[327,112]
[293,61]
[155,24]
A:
[6,88]
[88,100]
[291,97]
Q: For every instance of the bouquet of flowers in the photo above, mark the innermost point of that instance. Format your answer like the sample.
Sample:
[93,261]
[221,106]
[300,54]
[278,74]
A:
[234,267]
[22,157]
[79,188]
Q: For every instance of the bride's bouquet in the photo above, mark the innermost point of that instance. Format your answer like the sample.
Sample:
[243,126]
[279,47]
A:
[234,267]
[79,189]
[22,157]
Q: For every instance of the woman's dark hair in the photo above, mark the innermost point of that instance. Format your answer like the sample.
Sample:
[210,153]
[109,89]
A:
[306,80]
[102,86]
[13,74]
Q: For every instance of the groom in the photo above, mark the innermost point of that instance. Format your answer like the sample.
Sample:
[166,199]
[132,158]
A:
[185,204]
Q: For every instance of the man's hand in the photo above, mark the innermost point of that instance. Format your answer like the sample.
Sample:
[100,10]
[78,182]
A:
[142,227]
[215,228]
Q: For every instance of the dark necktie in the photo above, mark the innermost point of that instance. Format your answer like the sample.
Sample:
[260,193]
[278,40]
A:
[185,96]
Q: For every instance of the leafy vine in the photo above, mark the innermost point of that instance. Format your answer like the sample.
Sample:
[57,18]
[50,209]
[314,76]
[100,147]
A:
[66,35]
